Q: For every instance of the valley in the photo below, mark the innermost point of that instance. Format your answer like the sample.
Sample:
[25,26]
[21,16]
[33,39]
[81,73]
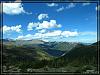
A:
[40,56]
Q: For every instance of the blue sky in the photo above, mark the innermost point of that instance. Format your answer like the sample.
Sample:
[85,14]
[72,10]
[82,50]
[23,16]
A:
[72,22]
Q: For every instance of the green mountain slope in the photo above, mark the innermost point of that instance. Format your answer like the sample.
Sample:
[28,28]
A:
[62,46]
[82,57]
[23,57]
[77,57]
[22,42]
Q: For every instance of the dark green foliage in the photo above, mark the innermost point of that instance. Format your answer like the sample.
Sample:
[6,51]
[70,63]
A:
[81,57]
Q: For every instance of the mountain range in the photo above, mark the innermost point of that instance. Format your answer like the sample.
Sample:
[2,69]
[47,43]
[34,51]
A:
[45,56]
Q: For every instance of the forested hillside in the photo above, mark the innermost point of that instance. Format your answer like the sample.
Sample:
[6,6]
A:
[49,57]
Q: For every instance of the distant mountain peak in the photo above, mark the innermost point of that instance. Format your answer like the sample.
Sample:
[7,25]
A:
[96,43]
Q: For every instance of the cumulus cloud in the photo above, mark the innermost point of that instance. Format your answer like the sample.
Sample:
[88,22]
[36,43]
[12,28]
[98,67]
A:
[60,9]
[16,28]
[41,16]
[69,33]
[55,33]
[30,36]
[51,35]
[42,31]
[43,25]
[84,4]
[13,8]
[52,4]
[71,5]
[31,25]
[26,37]
[47,25]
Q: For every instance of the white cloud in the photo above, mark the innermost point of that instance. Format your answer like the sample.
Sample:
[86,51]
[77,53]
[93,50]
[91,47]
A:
[13,8]
[42,31]
[43,25]
[41,16]
[52,4]
[12,28]
[47,25]
[71,5]
[60,9]
[38,35]
[50,35]
[31,25]
[6,29]
[53,34]
[59,35]
[26,37]
[59,25]
[84,4]
[69,33]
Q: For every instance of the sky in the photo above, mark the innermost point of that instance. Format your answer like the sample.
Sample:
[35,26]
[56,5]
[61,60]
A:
[71,22]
